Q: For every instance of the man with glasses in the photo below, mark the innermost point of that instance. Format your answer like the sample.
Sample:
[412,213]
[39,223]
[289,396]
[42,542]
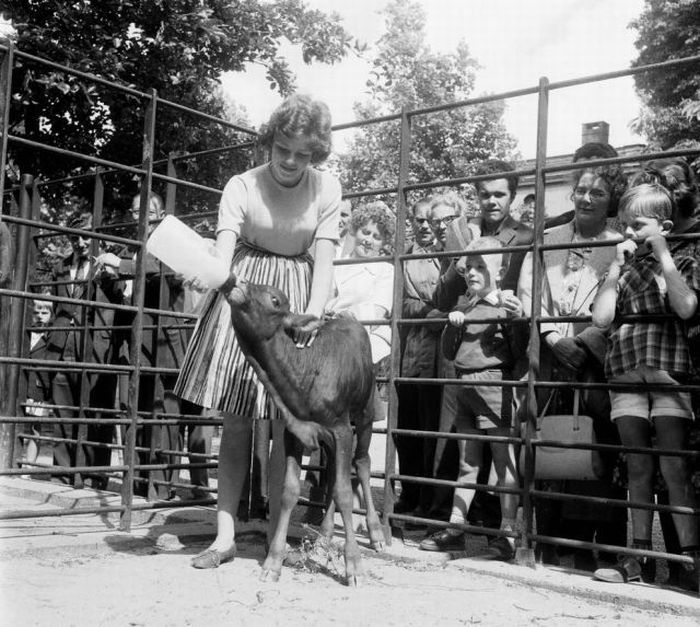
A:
[74,278]
[419,405]
[163,345]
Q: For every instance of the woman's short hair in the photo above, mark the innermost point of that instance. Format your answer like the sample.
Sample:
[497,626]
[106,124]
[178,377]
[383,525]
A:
[377,212]
[676,175]
[614,178]
[301,116]
[650,200]
[450,199]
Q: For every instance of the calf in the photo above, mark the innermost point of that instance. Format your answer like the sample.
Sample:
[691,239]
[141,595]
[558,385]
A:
[320,390]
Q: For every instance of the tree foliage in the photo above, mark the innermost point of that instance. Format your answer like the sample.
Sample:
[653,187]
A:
[668,29]
[178,47]
[407,73]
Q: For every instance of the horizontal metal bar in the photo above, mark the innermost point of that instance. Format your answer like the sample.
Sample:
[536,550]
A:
[184,183]
[96,304]
[57,230]
[79,156]
[599,500]
[162,422]
[641,69]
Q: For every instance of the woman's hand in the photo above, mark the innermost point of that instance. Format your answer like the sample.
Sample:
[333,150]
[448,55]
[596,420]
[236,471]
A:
[195,282]
[569,353]
[511,303]
[305,335]
[456,318]
[108,263]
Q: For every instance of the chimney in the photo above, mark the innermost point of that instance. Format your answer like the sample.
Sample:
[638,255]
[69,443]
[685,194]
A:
[595,132]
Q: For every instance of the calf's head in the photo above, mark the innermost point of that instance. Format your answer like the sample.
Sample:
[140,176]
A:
[260,311]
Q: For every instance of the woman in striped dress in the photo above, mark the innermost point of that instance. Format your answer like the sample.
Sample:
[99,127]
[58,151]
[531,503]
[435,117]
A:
[271,218]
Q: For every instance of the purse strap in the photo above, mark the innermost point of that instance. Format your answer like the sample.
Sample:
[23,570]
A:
[577,400]
[576,408]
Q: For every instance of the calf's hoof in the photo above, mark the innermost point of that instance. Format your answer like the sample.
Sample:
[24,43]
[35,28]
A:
[273,576]
[377,545]
[355,581]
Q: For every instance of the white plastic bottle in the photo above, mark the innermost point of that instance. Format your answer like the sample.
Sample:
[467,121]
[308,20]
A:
[186,252]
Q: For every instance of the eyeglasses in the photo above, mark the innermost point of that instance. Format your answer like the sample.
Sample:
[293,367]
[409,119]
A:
[594,194]
[421,221]
[435,223]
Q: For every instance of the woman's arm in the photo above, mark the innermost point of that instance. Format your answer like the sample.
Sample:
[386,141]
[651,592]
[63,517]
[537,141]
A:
[322,277]
[225,245]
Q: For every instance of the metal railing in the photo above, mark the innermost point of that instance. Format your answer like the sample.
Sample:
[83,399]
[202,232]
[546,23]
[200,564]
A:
[133,419]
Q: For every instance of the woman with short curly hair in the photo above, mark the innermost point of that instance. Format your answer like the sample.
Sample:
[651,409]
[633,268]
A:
[271,219]
[365,290]
[301,115]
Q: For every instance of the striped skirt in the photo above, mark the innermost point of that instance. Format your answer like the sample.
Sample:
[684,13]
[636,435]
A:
[215,373]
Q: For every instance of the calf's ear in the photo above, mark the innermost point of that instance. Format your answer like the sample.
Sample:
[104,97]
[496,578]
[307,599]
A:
[301,322]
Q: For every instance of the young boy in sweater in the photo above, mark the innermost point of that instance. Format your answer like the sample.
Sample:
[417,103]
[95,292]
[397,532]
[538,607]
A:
[482,351]
[644,278]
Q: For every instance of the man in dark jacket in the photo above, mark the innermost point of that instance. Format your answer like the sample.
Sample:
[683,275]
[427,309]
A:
[163,345]
[72,278]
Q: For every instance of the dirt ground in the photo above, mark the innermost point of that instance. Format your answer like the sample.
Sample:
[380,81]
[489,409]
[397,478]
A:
[143,586]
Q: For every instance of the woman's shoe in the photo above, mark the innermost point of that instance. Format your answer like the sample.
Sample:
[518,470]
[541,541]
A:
[443,541]
[628,569]
[212,558]
[501,549]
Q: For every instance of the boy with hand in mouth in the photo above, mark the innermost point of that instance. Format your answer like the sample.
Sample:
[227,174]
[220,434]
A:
[645,278]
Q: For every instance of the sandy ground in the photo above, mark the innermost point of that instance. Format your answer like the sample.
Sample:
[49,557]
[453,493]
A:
[143,586]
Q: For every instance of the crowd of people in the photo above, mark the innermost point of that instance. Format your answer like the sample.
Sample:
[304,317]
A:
[283,223]
[68,331]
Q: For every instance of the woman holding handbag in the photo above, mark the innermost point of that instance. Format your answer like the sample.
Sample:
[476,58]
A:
[574,351]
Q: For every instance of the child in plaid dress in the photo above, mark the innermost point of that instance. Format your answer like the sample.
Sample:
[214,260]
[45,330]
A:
[645,279]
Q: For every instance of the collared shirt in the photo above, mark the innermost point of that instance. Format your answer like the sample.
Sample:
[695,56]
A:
[659,345]
[480,345]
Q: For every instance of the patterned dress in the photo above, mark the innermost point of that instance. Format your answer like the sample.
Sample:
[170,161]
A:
[276,227]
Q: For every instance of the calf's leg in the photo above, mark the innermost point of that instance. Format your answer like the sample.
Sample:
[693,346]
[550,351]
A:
[361,461]
[342,495]
[272,567]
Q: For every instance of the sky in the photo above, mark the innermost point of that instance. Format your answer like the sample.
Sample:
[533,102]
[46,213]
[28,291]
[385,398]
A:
[515,41]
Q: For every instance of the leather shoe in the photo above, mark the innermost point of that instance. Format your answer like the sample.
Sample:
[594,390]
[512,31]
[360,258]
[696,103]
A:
[501,549]
[628,569]
[212,558]
[443,541]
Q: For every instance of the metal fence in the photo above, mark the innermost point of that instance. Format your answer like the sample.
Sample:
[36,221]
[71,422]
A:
[25,217]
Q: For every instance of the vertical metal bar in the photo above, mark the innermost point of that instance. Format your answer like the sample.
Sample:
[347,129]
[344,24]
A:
[17,315]
[7,431]
[171,188]
[86,338]
[23,351]
[138,300]
[395,356]
[5,99]
[525,554]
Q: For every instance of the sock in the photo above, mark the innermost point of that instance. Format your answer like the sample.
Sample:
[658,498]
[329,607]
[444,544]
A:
[509,524]
[691,551]
[456,519]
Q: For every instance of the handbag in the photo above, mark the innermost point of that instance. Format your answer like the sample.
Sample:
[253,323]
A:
[556,462]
